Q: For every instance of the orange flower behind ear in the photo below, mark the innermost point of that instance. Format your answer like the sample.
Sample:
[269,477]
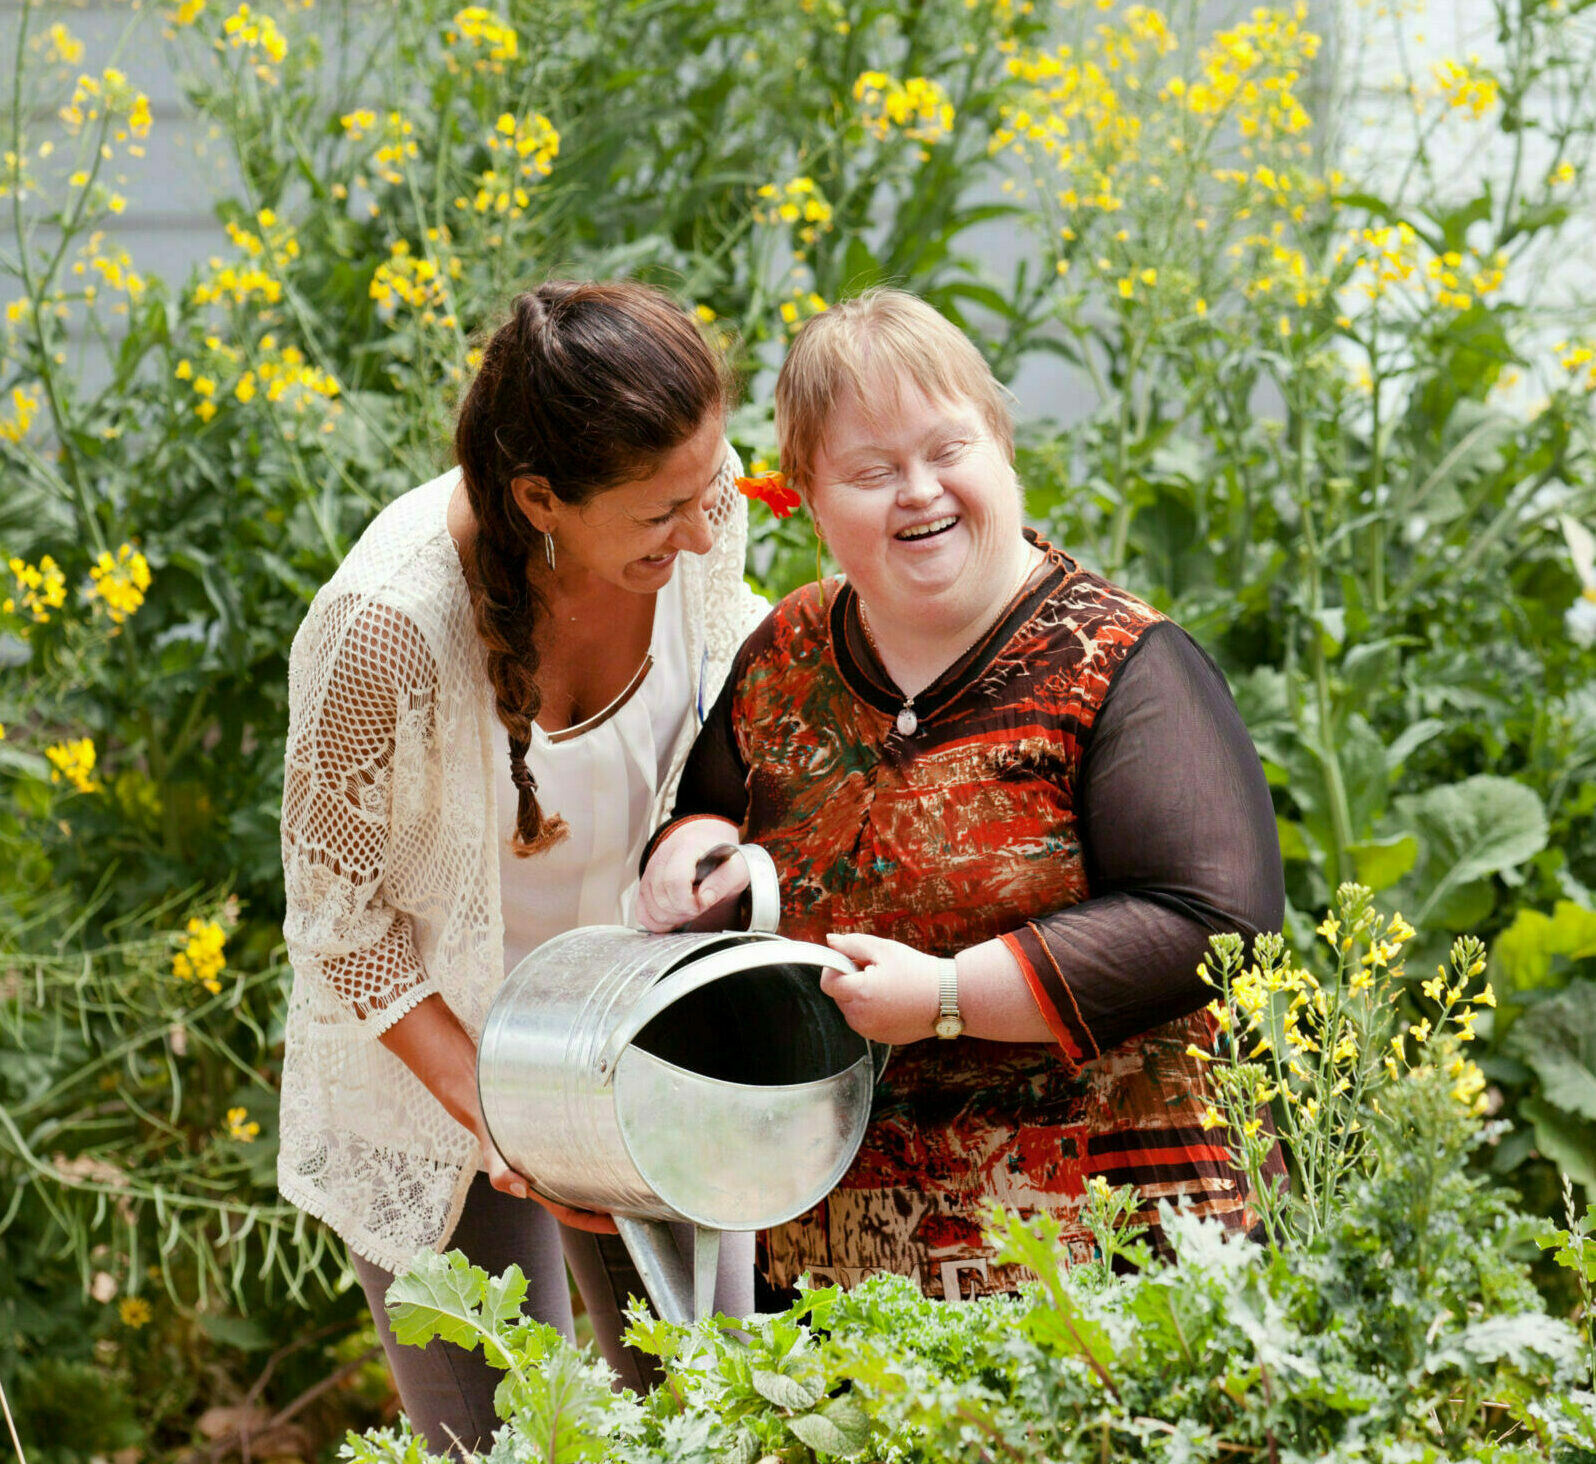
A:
[770,489]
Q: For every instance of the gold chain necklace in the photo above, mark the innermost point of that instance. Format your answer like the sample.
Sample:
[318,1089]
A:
[908,720]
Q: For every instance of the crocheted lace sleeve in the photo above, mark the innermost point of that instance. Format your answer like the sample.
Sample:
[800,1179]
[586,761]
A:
[362,688]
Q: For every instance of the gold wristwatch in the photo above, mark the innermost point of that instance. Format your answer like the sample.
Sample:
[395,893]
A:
[949,1023]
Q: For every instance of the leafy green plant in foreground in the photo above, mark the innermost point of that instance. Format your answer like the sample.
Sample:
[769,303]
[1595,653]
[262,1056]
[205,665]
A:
[1388,1313]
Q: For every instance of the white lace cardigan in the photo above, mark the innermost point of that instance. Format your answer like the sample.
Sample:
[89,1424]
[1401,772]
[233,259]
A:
[391,857]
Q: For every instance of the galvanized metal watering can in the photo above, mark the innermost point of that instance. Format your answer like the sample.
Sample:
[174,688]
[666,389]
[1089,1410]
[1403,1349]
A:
[696,1077]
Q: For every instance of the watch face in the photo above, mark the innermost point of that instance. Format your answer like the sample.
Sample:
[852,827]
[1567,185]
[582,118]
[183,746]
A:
[949,1026]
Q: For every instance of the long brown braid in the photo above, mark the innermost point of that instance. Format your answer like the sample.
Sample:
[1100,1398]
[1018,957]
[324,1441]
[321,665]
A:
[588,386]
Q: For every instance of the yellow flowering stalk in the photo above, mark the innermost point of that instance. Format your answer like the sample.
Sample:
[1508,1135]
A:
[532,140]
[40,589]
[17,419]
[257,36]
[203,956]
[797,201]
[916,108]
[1466,88]
[73,762]
[119,581]
[487,39]
[1321,1049]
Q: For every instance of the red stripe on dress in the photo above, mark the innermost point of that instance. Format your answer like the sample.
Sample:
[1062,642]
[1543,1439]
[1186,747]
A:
[1127,1159]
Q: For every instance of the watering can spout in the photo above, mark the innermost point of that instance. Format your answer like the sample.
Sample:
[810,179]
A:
[679,1295]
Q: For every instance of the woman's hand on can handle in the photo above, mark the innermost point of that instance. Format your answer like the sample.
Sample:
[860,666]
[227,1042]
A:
[668,897]
[510,1182]
[893,997]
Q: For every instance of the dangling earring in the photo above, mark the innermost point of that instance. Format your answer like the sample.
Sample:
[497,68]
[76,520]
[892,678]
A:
[548,550]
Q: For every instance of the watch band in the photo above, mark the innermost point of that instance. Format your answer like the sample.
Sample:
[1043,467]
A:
[950,1021]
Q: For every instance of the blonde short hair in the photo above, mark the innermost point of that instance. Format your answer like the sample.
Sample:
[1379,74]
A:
[866,348]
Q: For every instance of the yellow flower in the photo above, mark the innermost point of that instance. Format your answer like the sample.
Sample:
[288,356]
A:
[1487,997]
[41,588]
[1464,88]
[64,46]
[485,30]
[188,12]
[119,581]
[24,404]
[203,955]
[241,1127]
[1211,1118]
[134,1311]
[533,140]
[73,761]
[245,29]
[917,107]
[796,201]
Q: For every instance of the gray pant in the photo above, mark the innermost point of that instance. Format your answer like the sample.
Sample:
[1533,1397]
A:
[448,1392]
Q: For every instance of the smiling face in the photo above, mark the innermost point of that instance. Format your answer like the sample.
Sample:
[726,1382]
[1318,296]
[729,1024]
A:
[629,537]
[921,510]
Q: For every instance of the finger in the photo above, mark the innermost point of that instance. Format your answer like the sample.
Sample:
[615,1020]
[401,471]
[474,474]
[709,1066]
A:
[508,1182]
[865,949]
[842,986]
[726,883]
[594,1222]
[652,914]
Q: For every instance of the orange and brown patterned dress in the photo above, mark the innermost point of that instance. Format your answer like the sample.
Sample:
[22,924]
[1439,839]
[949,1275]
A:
[1079,785]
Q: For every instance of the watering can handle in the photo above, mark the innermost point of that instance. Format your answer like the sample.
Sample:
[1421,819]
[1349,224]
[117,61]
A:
[764,888]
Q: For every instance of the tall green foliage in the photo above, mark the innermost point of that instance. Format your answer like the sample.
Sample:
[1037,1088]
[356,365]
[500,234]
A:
[1302,440]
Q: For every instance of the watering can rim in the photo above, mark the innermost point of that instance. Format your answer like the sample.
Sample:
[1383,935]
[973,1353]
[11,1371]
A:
[867,1056]
[727,962]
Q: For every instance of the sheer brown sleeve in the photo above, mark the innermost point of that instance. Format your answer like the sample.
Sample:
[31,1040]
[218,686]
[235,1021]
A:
[1178,837]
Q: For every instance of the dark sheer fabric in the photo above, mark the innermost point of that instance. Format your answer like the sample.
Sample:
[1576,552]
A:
[1176,829]
[1178,837]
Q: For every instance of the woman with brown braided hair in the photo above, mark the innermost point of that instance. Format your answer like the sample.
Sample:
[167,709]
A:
[490,705]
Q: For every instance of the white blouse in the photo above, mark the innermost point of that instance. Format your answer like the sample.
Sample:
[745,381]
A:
[393,847]
[602,775]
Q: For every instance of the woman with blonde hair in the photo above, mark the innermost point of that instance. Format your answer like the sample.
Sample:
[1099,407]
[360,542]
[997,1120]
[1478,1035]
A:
[1015,795]
[491,702]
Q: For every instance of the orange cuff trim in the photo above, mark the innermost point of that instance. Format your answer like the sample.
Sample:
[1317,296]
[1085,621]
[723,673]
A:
[1055,1024]
[1080,1020]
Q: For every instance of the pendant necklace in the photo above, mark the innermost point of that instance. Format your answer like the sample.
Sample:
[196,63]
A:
[908,721]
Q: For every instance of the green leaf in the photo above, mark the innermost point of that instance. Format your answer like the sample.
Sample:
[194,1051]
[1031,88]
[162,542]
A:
[1380,863]
[1526,953]
[786,1391]
[446,1296]
[568,1410]
[838,1426]
[1567,1141]
[1471,830]
[1293,842]
[1557,1040]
